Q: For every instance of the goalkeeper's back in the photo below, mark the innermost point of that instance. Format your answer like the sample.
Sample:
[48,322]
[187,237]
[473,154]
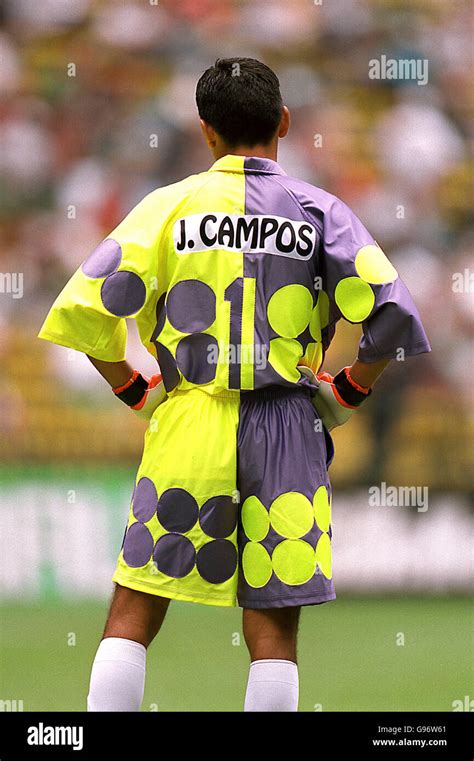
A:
[236,278]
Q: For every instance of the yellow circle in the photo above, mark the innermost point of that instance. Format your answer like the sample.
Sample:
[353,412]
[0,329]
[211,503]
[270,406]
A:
[373,266]
[315,324]
[355,298]
[322,508]
[256,565]
[294,561]
[323,308]
[289,310]
[291,515]
[313,356]
[324,555]
[255,519]
[284,355]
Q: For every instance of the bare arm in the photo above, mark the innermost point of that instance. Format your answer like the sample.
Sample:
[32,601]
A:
[115,373]
[142,395]
[365,374]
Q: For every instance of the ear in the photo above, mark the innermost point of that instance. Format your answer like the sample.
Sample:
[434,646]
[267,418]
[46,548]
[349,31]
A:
[285,122]
[209,133]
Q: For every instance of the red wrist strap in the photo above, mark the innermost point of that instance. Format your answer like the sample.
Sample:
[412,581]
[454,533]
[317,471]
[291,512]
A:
[154,381]
[347,373]
[341,400]
[132,379]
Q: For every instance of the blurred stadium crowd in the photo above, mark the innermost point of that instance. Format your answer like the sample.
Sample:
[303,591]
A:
[97,109]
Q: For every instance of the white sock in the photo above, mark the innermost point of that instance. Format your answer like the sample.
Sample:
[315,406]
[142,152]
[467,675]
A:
[272,686]
[118,676]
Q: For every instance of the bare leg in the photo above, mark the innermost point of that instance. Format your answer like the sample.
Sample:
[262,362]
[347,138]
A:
[135,615]
[271,638]
[271,633]
[118,673]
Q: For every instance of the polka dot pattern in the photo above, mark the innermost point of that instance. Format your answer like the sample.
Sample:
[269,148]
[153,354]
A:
[217,561]
[355,298]
[138,545]
[174,555]
[373,266]
[123,293]
[294,561]
[145,500]
[190,309]
[256,565]
[323,308]
[284,356]
[291,515]
[168,366]
[195,357]
[191,306]
[177,510]
[312,357]
[178,513]
[289,310]
[322,510]
[218,517]
[255,519]
[160,316]
[315,324]
[323,555]
[103,260]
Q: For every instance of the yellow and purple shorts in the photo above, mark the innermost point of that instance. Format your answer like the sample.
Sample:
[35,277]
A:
[232,502]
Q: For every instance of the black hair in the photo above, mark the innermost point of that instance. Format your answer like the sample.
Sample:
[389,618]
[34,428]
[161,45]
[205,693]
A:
[241,99]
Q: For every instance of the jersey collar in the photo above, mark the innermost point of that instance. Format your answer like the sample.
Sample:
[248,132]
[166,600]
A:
[247,164]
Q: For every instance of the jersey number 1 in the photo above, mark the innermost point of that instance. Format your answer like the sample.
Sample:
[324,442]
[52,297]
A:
[241,295]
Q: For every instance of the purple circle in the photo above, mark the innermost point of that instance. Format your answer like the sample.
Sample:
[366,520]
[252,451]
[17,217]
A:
[160,316]
[138,546]
[217,561]
[177,510]
[168,367]
[174,555]
[191,306]
[104,259]
[145,500]
[218,516]
[194,354]
[123,293]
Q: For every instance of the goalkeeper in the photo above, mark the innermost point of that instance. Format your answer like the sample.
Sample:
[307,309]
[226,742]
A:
[237,277]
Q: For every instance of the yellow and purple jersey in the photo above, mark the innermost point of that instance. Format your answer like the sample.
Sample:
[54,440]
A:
[236,277]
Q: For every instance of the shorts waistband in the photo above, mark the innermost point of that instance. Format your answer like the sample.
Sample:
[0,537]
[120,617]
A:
[219,395]
[269,393]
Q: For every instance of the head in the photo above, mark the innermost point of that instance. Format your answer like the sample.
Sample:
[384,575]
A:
[240,108]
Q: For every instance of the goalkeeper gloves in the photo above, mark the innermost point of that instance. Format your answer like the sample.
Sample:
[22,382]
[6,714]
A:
[338,397]
[143,395]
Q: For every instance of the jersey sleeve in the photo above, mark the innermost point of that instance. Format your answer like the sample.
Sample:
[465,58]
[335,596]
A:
[113,283]
[364,287]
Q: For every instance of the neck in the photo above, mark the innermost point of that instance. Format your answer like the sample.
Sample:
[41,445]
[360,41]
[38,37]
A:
[259,151]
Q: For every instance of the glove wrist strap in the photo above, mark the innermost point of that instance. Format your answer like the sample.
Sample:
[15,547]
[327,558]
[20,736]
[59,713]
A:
[133,391]
[350,391]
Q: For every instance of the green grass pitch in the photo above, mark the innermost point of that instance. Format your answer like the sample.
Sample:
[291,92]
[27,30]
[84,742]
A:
[351,655]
